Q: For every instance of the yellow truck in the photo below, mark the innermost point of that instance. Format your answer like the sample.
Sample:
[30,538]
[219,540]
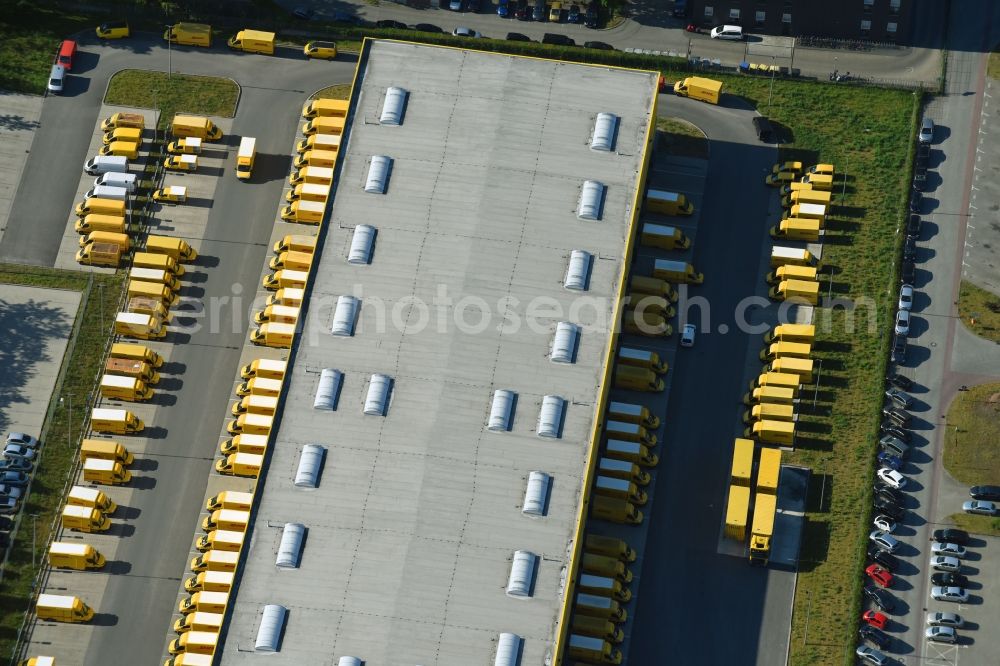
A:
[260,386]
[106,472]
[797,289]
[632,432]
[129,389]
[819,181]
[643,284]
[809,211]
[185,125]
[156,261]
[615,510]
[630,451]
[199,621]
[131,134]
[255,404]
[84,519]
[304,212]
[119,421]
[308,192]
[288,296]
[130,367]
[623,469]
[230,499]
[189,34]
[230,542]
[620,489]
[697,87]
[646,323]
[742,468]
[264,367]
[121,240]
[792,272]
[190,659]
[240,464]
[158,275]
[295,243]
[79,556]
[821,168]
[188,145]
[91,498]
[129,149]
[808,196]
[769,471]
[319,142]
[173,247]
[296,261]
[150,306]
[157,290]
[250,424]
[62,608]
[322,50]
[105,449]
[592,650]
[653,304]
[792,165]
[139,325]
[597,606]
[791,333]
[676,271]
[253,41]
[770,394]
[762,529]
[100,254]
[245,157]
[772,411]
[603,565]
[637,379]
[324,125]
[624,411]
[209,581]
[586,625]
[100,206]
[803,367]
[194,642]
[664,237]
[610,546]
[737,510]
[99,222]
[181,163]
[122,119]
[772,432]
[285,278]
[667,203]
[209,602]
[791,255]
[136,353]
[315,175]
[642,358]
[797,229]
[785,348]
[272,334]
[215,560]
[333,108]
[316,158]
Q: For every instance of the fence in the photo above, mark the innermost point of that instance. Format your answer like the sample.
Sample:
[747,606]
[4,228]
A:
[807,41]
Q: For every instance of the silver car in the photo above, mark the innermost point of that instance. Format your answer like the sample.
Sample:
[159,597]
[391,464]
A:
[950,549]
[958,595]
[17,451]
[22,439]
[926,131]
[870,655]
[981,507]
[945,563]
[941,634]
[883,541]
[945,620]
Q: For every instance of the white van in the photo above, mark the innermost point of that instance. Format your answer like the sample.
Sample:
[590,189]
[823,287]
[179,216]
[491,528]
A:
[116,179]
[107,192]
[99,164]
[56,77]
[732,32]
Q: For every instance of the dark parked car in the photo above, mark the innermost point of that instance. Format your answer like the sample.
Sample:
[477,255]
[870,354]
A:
[874,636]
[888,507]
[913,227]
[539,13]
[391,24]
[889,493]
[762,126]
[920,181]
[14,478]
[590,18]
[920,169]
[603,46]
[948,579]
[949,535]
[910,249]
[879,556]
[895,431]
[916,199]
[560,40]
[574,15]
[882,599]
[472,5]
[898,416]
[898,354]
[503,8]
[6,524]
[900,381]
[523,11]
[427,27]
[990,493]
[517,37]
[923,151]
[15,465]
[908,272]
[886,459]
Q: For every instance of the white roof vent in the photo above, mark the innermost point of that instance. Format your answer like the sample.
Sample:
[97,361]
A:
[578,273]
[290,547]
[591,196]
[508,650]
[551,416]
[604,132]
[378,395]
[328,389]
[501,410]
[392,108]
[310,463]
[565,342]
[349,661]
[378,174]
[536,494]
[522,574]
[361,244]
[272,621]
[345,316]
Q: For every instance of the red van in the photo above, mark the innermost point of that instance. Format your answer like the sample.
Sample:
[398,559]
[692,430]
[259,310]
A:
[66,53]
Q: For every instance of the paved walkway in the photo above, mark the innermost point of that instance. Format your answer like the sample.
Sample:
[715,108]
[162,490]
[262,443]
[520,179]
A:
[981,264]
[19,116]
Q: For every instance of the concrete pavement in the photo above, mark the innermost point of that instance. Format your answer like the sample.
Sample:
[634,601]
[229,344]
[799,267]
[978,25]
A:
[18,122]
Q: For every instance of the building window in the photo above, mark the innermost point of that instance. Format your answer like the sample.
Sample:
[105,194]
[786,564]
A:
[894,6]
[734,15]
[868,5]
[866,26]
[759,17]
[709,11]
[786,18]
[891,28]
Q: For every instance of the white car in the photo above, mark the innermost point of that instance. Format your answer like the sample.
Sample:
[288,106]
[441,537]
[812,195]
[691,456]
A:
[21,439]
[465,32]
[945,563]
[981,507]
[941,634]
[884,523]
[950,549]
[926,131]
[883,541]
[17,451]
[688,334]
[455,5]
[945,620]
[906,297]
[731,32]
[12,491]
[956,594]
[891,478]
[903,322]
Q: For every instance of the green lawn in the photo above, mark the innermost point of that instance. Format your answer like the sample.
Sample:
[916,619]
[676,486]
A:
[993,66]
[339,91]
[679,137]
[29,38]
[50,478]
[979,311]
[183,93]
[971,454]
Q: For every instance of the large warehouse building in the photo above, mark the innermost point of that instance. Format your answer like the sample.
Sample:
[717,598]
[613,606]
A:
[478,180]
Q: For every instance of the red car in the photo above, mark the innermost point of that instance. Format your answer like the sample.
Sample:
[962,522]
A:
[880,575]
[875,619]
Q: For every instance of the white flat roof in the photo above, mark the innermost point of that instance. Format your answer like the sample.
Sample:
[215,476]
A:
[413,526]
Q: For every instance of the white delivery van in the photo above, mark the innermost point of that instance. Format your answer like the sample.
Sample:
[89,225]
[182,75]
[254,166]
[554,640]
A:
[107,192]
[101,164]
[56,78]
[117,179]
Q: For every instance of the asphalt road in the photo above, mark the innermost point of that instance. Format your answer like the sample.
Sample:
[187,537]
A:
[143,594]
[689,592]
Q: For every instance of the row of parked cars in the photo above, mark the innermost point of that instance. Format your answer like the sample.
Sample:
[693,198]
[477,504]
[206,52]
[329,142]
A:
[19,455]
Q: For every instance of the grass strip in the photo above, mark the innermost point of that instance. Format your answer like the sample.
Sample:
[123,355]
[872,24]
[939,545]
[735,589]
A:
[63,435]
[30,36]
[979,311]
[971,455]
[178,93]
[679,137]
[986,525]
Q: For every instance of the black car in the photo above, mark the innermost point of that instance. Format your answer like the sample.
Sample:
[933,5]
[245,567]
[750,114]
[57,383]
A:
[391,24]
[900,381]
[882,599]
[523,11]
[14,478]
[913,227]
[874,636]
[590,18]
[539,12]
[907,272]
[603,46]
[472,5]
[920,169]
[923,151]
[898,354]
[920,181]
[896,415]
[560,40]
[890,493]
[882,557]
[888,507]
[762,126]
[948,579]
[916,199]
[989,493]
[949,535]
[6,524]
[574,14]
[910,249]
[517,37]
[427,27]
[895,431]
